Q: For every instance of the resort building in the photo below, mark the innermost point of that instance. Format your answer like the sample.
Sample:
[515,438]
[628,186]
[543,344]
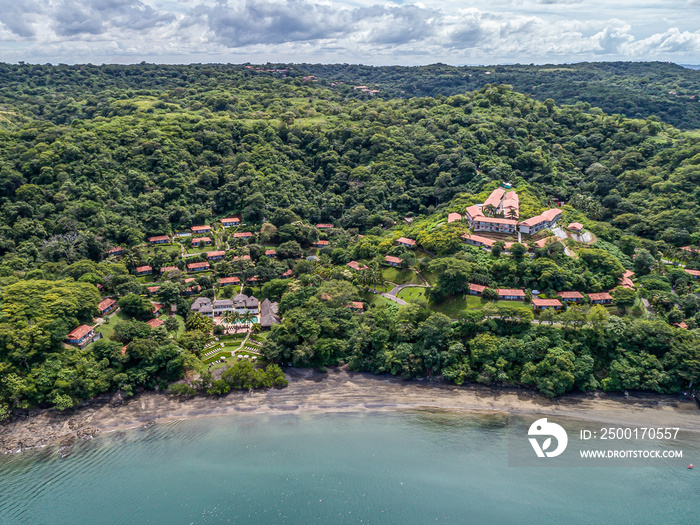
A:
[117,250]
[472,213]
[324,226]
[477,240]
[476,289]
[200,229]
[144,270]
[166,269]
[153,289]
[159,239]
[575,227]
[240,303]
[494,200]
[82,336]
[494,224]
[626,279]
[406,242]
[155,323]
[510,294]
[546,219]
[571,297]
[356,266]
[216,255]
[271,253]
[600,298]
[228,281]
[320,244]
[268,314]
[287,274]
[357,306]
[106,305]
[198,241]
[242,235]
[453,217]
[230,221]
[393,261]
[545,304]
[197,266]
[695,274]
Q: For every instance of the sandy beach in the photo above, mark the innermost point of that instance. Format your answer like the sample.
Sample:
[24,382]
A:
[336,391]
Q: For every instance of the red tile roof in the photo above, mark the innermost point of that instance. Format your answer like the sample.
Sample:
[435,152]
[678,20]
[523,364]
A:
[570,295]
[80,332]
[114,250]
[155,323]
[189,280]
[474,211]
[197,240]
[356,266]
[576,226]
[321,243]
[288,273]
[406,240]
[477,288]
[168,269]
[478,238]
[550,214]
[192,266]
[153,289]
[602,296]
[495,198]
[496,220]
[231,219]
[229,280]
[157,307]
[510,292]
[140,269]
[324,225]
[105,303]
[545,302]
[357,305]
[692,272]
[203,228]
[242,257]
[219,253]
[270,252]
[454,217]
[242,235]
[159,238]
[392,259]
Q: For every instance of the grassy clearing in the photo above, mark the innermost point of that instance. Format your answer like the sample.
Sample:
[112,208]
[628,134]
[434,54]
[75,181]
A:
[412,294]
[395,275]
[374,299]
[107,329]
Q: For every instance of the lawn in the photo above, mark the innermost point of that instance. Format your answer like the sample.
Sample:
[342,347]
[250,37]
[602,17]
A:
[412,294]
[107,329]
[398,276]
[431,277]
[453,306]
[374,299]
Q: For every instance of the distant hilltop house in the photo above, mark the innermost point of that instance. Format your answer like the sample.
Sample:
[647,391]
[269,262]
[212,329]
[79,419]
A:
[500,213]
[159,239]
[320,244]
[405,241]
[197,241]
[200,229]
[230,221]
[546,304]
[228,281]
[83,336]
[393,261]
[197,267]
[144,270]
[117,250]
[216,255]
[106,306]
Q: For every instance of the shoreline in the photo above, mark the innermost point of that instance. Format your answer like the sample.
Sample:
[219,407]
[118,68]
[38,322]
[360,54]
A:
[336,391]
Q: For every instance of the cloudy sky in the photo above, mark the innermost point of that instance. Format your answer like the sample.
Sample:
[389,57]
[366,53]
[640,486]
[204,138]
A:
[354,31]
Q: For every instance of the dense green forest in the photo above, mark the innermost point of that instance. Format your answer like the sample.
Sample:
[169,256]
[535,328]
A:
[93,157]
[632,89]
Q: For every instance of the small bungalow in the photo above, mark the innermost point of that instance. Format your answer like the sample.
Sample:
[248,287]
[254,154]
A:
[216,256]
[228,281]
[200,229]
[320,244]
[197,267]
[287,274]
[393,261]
[270,253]
[159,239]
[575,227]
[82,336]
[106,305]
[157,308]
[695,274]
[144,270]
[166,269]
[476,289]
[478,240]
[510,294]
[545,304]
[324,226]
[600,298]
[155,323]
[453,217]
[626,279]
[268,314]
[357,306]
[153,289]
[117,250]
[230,221]
[191,290]
[571,297]
[406,242]
[198,241]
[356,266]
[242,235]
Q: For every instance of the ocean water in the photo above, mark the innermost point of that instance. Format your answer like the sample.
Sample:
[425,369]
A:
[383,467]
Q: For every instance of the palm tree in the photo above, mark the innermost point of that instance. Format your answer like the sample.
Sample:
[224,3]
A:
[512,214]
[247,317]
[489,209]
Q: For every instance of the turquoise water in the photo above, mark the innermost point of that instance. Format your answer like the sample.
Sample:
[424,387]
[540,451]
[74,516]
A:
[394,468]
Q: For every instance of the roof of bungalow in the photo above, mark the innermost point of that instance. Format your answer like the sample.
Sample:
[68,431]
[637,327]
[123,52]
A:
[153,289]
[551,214]
[321,243]
[80,332]
[157,306]
[288,273]
[474,211]
[197,240]
[229,280]
[158,238]
[392,259]
[576,226]
[454,217]
[356,265]
[146,268]
[545,302]
[165,269]
[510,292]
[478,238]
[495,198]
[509,245]
[477,288]
[242,235]
[155,323]
[203,228]
[406,240]
[692,272]
[218,253]
[532,221]
[358,305]
[253,279]
[690,249]
[683,325]
[324,225]
[268,313]
[191,266]
[271,251]
[114,250]
[600,296]
[497,220]
[570,295]
[242,257]
[105,303]
[189,280]
[231,219]
[543,242]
